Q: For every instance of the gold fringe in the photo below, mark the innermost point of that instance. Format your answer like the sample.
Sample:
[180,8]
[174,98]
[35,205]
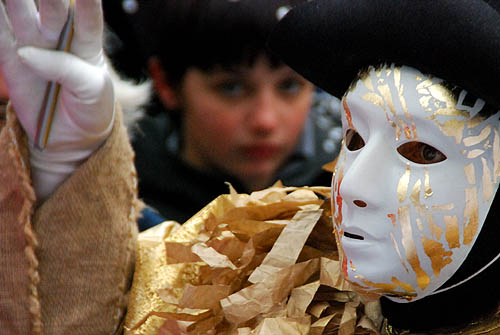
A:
[19,155]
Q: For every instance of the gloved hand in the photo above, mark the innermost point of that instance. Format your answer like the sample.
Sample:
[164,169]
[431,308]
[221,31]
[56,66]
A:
[85,110]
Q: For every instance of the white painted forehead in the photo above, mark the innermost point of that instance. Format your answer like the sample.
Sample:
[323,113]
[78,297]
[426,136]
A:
[427,89]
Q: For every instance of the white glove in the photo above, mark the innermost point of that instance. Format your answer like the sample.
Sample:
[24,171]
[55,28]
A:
[85,110]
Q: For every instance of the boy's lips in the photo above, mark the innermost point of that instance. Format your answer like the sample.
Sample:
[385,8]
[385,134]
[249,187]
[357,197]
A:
[261,151]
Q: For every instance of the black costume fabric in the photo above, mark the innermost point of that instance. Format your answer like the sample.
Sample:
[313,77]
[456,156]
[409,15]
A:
[178,191]
[458,40]
[330,41]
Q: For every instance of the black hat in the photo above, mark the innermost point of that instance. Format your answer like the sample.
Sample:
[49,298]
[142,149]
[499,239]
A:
[329,41]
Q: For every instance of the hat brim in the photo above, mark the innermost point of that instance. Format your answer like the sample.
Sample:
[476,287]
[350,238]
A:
[329,41]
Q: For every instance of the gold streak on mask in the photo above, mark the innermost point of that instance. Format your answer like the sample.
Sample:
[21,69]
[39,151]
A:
[337,198]
[367,80]
[470,173]
[427,184]
[374,99]
[486,145]
[386,288]
[471,223]
[405,286]
[425,84]
[415,193]
[402,100]
[394,125]
[397,77]
[475,153]
[452,231]
[436,231]
[415,198]
[385,91]
[403,184]
[398,251]
[496,155]
[423,91]
[411,251]
[487,182]
[381,287]
[447,207]
[453,127]
[441,93]
[473,140]
[388,72]
[353,268]
[438,255]
[475,121]
[347,112]
[420,225]
[424,101]
[393,219]
[451,111]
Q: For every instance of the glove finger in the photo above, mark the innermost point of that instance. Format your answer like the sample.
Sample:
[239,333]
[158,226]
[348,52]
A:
[86,89]
[7,42]
[87,39]
[74,74]
[53,15]
[24,18]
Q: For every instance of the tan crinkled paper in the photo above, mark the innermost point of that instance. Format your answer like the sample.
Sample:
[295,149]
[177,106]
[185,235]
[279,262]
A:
[264,263]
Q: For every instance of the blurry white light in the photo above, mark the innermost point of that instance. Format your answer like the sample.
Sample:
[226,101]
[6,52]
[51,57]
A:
[130,6]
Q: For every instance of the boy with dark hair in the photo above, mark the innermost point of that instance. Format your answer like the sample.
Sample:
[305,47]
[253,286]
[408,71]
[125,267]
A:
[229,110]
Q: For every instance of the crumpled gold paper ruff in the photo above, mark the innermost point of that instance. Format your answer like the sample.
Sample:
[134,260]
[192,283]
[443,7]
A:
[264,263]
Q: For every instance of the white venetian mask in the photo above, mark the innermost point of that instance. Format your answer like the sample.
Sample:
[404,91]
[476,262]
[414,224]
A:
[414,181]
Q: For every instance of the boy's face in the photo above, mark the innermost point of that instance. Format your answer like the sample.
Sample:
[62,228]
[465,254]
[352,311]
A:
[414,181]
[245,122]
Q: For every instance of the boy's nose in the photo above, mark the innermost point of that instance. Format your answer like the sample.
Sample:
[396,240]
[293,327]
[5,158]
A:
[264,117]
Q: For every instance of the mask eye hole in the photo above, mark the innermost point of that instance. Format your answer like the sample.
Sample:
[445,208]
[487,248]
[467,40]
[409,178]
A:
[353,140]
[421,153]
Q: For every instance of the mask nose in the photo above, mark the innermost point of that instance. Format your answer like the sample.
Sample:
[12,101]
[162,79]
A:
[360,203]
[366,176]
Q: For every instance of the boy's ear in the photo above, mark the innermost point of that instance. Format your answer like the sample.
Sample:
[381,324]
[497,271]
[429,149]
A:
[164,89]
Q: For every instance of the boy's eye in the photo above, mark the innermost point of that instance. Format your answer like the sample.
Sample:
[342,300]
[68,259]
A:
[421,153]
[230,89]
[290,86]
[353,140]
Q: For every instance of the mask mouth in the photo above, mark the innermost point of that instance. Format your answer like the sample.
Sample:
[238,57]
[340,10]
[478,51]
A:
[353,236]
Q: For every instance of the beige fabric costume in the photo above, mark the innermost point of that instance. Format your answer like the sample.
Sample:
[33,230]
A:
[66,267]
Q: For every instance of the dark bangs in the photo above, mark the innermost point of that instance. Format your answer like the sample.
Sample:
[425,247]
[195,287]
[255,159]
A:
[214,33]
